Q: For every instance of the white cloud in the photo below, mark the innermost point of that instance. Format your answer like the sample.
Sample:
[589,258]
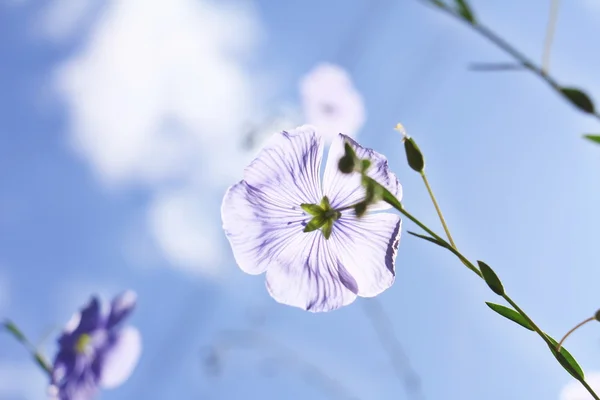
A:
[159,93]
[184,232]
[22,381]
[575,390]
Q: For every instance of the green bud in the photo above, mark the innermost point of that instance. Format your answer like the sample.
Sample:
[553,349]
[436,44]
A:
[597,315]
[360,209]
[346,165]
[348,162]
[413,155]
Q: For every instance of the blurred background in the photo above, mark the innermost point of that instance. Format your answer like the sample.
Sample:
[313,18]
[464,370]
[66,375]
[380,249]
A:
[122,123]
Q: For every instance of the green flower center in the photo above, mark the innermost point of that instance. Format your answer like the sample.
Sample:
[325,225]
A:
[82,343]
[323,217]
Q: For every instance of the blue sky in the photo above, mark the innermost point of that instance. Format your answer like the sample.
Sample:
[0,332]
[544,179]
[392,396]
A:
[120,129]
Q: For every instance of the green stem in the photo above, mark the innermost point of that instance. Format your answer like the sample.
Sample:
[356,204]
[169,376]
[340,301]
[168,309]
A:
[533,325]
[437,208]
[389,198]
[507,48]
[12,328]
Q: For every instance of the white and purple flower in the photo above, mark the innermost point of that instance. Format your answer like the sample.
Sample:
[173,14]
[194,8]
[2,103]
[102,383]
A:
[95,351]
[265,218]
[331,102]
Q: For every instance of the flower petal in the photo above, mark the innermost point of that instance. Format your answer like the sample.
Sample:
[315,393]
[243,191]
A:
[367,248]
[84,321]
[72,377]
[288,167]
[121,358]
[330,101]
[263,211]
[121,307]
[310,275]
[346,189]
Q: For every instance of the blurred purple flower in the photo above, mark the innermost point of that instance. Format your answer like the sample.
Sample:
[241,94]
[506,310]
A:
[95,351]
[264,222]
[331,102]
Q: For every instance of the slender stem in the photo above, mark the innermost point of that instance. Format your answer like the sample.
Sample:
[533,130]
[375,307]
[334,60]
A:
[589,389]
[550,35]
[462,258]
[21,338]
[579,325]
[393,201]
[528,319]
[383,327]
[507,48]
[345,208]
[437,208]
[249,338]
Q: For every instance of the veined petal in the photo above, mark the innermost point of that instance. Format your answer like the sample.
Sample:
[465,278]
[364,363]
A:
[120,308]
[310,275]
[262,213]
[120,359]
[288,168]
[367,248]
[346,189]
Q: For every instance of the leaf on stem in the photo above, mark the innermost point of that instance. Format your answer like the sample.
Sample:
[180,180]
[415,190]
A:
[593,138]
[579,99]
[14,330]
[463,8]
[432,240]
[567,361]
[510,314]
[490,277]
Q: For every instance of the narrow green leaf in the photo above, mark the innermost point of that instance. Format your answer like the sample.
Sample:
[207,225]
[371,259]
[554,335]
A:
[593,138]
[438,3]
[463,8]
[41,361]
[432,240]
[15,331]
[387,196]
[413,155]
[567,361]
[315,223]
[510,314]
[327,228]
[312,209]
[491,278]
[579,99]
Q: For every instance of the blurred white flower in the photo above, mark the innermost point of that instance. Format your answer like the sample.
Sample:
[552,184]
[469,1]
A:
[575,390]
[330,101]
